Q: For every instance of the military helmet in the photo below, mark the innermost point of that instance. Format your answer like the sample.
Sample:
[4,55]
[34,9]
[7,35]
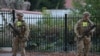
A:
[86,13]
[20,14]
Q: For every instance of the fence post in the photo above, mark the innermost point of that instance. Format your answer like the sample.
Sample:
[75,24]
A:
[65,35]
[13,14]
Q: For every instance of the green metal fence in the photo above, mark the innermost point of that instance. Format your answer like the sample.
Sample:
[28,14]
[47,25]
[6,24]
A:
[48,33]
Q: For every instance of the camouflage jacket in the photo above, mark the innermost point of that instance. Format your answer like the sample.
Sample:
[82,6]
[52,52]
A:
[22,27]
[82,26]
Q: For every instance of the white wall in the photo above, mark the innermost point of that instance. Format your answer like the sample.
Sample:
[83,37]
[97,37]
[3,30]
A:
[33,17]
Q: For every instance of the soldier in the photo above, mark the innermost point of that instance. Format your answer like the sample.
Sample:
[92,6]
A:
[82,25]
[23,28]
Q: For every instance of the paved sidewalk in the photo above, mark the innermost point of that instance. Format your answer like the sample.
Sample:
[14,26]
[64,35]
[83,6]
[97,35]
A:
[45,54]
[7,54]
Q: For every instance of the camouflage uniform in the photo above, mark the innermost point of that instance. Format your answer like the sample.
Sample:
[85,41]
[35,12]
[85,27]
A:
[79,28]
[23,28]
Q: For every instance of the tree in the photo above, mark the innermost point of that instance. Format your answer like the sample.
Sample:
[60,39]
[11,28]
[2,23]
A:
[50,4]
[15,4]
[89,5]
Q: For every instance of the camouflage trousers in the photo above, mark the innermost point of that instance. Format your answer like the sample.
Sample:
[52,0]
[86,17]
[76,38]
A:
[18,43]
[83,46]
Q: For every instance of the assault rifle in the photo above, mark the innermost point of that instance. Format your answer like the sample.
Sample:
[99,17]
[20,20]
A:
[85,33]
